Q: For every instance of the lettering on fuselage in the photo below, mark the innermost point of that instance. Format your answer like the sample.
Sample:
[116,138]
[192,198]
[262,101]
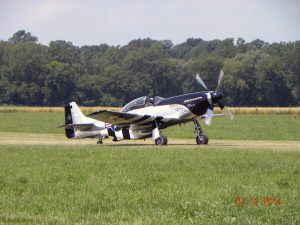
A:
[181,109]
[190,105]
[192,100]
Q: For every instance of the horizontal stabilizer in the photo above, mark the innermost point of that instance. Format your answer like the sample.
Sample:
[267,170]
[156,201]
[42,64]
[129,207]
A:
[81,127]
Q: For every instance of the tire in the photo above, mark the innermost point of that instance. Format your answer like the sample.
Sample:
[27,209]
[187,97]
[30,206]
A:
[162,140]
[202,139]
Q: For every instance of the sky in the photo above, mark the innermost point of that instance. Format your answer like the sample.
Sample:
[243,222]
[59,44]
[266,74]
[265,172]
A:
[117,22]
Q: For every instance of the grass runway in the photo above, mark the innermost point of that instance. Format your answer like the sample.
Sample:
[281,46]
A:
[250,177]
[9,138]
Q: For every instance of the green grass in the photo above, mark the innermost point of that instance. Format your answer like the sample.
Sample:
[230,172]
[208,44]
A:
[145,185]
[134,184]
[246,127]
[31,122]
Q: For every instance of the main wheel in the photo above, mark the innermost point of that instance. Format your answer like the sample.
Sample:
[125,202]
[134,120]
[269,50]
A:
[162,140]
[202,139]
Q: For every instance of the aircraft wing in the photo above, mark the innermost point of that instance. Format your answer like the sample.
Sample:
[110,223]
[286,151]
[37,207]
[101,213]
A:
[125,119]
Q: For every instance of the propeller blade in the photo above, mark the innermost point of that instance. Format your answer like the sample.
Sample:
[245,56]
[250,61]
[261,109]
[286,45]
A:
[200,81]
[208,118]
[221,75]
[228,114]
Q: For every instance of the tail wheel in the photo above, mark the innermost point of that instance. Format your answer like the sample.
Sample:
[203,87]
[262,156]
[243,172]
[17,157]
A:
[161,140]
[202,139]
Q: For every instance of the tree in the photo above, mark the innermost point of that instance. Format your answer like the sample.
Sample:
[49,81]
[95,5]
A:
[22,36]
[226,49]
[256,73]
[258,44]
[208,67]
[60,83]
[294,59]
[22,64]
[63,52]
[272,89]
[242,46]
[89,91]
[240,81]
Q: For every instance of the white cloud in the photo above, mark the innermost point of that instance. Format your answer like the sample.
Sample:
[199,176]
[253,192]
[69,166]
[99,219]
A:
[47,10]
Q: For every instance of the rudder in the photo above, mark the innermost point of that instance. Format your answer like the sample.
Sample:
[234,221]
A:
[73,115]
[70,133]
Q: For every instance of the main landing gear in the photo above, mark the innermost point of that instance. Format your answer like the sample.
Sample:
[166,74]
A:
[100,142]
[201,136]
[161,140]
[158,138]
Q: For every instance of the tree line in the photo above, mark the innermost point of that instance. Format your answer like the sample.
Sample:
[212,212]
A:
[257,73]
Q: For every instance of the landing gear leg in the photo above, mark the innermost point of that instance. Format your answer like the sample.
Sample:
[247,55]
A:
[158,138]
[201,136]
[100,142]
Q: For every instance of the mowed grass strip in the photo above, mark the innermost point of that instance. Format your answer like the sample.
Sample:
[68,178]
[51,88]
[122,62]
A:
[134,185]
[243,127]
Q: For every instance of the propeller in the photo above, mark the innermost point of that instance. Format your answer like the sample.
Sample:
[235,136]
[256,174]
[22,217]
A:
[209,112]
[209,116]
[221,75]
[201,82]
[226,111]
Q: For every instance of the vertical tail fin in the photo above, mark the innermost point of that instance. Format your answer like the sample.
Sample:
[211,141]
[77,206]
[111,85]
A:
[73,115]
[76,114]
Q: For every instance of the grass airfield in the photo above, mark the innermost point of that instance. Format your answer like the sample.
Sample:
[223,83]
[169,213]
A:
[48,179]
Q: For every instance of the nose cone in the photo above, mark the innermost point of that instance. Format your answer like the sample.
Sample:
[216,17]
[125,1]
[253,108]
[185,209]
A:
[216,96]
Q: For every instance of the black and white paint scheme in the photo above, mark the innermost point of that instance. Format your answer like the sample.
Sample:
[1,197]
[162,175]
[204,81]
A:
[145,117]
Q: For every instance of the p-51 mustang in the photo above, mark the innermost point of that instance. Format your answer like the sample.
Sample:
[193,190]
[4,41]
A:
[144,117]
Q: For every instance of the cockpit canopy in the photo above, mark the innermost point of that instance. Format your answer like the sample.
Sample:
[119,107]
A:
[141,103]
[137,103]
